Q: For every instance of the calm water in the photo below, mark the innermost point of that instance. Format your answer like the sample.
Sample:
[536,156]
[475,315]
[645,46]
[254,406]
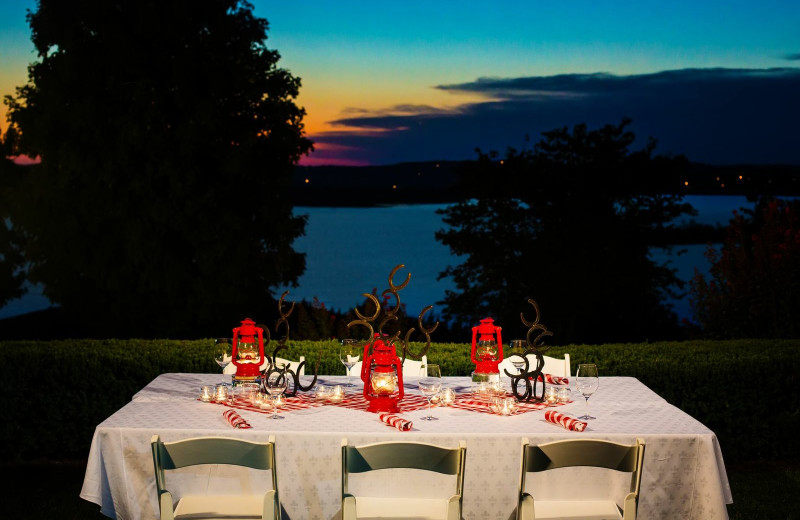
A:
[350,251]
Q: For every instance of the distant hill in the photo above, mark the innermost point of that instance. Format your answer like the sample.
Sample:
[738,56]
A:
[436,182]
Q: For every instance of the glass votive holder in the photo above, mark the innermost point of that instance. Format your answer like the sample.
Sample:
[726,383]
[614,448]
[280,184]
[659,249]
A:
[321,392]
[564,394]
[551,395]
[221,393]
[504,405]
[247,390]
[206,393]
[336,394]
[258,398]
[448,396]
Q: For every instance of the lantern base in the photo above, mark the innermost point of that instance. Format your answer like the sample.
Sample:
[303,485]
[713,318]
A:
[238,380]
[383,404]
[485,377]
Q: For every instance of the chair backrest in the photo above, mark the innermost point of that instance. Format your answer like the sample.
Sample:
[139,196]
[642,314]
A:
[411,368]
[293,365]
[414,455]
[552,366]
[231,368]
[586,452]
[212,450]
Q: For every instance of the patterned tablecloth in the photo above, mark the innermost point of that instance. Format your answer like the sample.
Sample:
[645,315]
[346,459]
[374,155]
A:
[684,474]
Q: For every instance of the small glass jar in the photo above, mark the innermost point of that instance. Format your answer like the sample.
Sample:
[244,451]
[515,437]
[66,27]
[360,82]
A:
[206,393]
[564,394]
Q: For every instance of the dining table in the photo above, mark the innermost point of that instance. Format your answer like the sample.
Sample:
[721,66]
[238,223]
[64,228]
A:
[683,473]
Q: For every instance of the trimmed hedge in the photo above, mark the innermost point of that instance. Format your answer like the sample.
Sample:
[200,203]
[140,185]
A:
[56,392]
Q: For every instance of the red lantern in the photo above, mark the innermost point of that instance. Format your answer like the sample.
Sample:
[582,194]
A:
[382,374]
[248,352]
[487,350]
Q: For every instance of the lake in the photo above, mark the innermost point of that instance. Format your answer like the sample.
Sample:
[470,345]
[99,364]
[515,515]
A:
[350,251]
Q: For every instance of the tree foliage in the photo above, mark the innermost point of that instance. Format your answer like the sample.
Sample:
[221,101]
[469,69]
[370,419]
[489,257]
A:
[753,286]
[167,135]
[12,274]
[568,223]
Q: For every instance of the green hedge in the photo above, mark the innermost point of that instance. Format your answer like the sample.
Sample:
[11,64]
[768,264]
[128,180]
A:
[54,393]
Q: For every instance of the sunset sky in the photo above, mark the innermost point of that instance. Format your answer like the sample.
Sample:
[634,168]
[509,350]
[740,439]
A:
[386,82]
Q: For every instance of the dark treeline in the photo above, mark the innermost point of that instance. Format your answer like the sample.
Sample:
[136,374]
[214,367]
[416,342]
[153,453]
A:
[437,181]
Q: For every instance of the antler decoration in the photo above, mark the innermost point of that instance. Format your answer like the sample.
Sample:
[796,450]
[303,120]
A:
[535,347]
[287,372]
[391,315]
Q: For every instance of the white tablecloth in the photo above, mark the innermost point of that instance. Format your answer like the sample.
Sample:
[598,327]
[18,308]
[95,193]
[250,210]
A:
[684,474]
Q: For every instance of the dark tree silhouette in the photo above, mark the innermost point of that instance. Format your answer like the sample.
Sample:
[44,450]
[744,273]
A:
[12,273]
[167,136]
[753,287]
[569,224]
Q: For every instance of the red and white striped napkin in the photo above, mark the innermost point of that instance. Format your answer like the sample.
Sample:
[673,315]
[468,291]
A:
[235,420]
[554,380]
[564,420]
[398,422]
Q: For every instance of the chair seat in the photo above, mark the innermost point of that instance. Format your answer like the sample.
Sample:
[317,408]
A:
[199,507]
[583,509]
[401,507]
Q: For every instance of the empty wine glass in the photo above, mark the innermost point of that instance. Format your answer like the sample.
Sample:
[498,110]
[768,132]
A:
[430,383]
[222,352]
[349,354]
[276,385]
[516,353]
[587,382]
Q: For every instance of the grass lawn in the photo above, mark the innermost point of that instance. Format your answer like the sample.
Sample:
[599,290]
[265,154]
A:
[768,491]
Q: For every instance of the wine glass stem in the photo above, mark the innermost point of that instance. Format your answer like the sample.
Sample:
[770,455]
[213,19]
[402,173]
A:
[274,407]
[429,408]
[587,407]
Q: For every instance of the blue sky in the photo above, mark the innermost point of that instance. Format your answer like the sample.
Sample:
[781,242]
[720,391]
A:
[385,82]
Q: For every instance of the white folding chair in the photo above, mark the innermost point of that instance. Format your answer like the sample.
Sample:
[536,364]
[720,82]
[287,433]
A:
[552,366]
[215,450]
[231,368]
[414,455]
[581,452]
[411,368]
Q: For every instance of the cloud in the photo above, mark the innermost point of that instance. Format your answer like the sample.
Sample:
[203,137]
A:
[716,115]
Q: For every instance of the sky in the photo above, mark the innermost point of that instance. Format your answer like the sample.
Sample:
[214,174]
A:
[388,82]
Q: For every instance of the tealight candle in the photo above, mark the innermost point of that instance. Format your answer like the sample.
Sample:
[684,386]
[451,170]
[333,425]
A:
[205,393]
[337,394]
[448,396]
[321,392]
[551,395]
[564,394]
[257,399]
[221,393]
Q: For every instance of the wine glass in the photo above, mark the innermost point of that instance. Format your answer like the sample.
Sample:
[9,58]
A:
[430,383]
[516,353]
[349,355]
[587,382]
[222,352]
[276,385]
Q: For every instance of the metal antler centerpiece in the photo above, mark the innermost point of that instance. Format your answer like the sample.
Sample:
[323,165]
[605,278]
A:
[382,369]
[535,347]
[291,390]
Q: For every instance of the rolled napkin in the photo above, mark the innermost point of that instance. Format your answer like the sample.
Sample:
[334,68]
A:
[554,380]
[401,424]
[564,420]
[236,420]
